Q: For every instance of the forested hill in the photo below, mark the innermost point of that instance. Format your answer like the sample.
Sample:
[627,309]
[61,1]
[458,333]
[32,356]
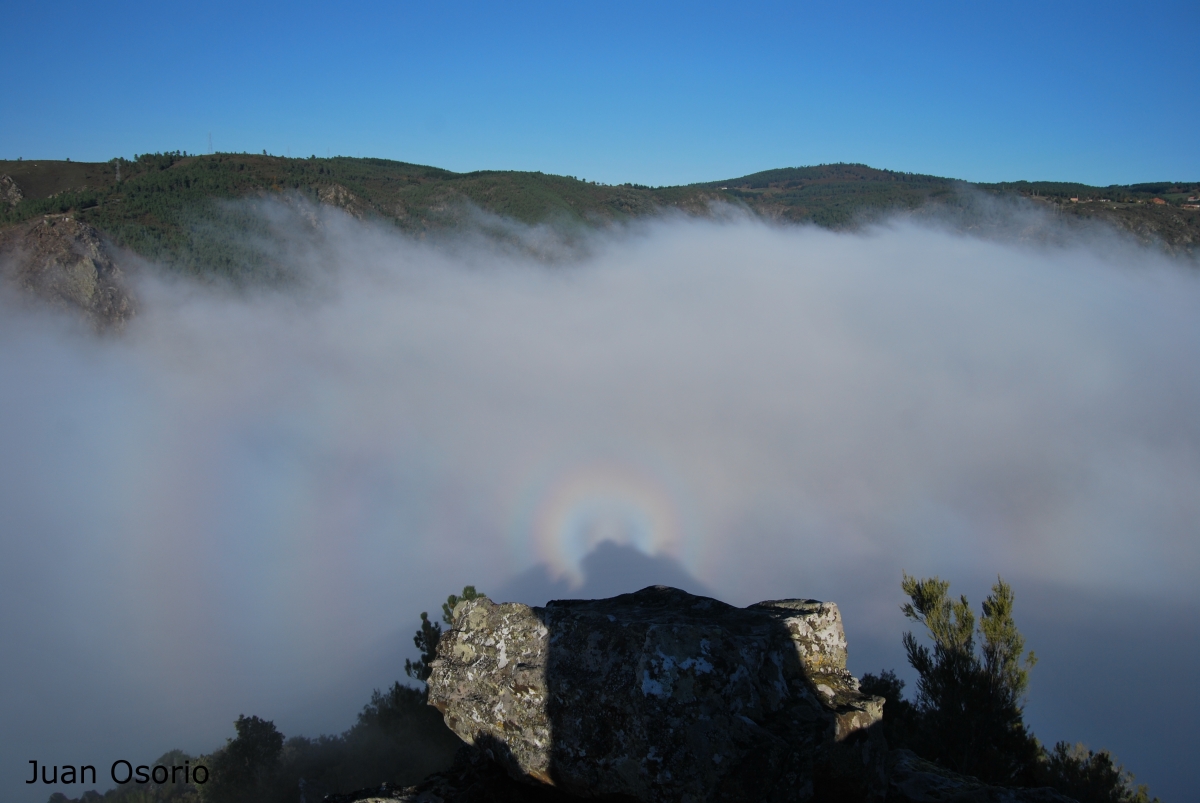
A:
[165,206]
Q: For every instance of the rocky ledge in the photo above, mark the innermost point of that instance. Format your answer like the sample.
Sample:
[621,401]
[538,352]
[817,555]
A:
[665,697]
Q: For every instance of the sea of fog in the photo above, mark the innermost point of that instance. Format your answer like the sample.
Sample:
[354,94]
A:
[241,504]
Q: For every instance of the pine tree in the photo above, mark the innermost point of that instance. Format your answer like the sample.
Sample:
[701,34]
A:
[427,638]
[426,641]
[468,593]
[970,702]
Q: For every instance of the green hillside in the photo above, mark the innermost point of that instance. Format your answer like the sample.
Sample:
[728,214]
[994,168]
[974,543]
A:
[167,207]
[834,196]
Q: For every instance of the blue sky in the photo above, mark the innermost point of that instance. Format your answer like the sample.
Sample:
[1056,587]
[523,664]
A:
[655,93]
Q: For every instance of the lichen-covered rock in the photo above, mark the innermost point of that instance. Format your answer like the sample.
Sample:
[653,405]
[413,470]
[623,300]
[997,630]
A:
[663,696]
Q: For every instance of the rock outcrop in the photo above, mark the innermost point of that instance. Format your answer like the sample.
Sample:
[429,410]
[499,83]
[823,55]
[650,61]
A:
[663,696]
[10,193]
[342,198]
[64,260]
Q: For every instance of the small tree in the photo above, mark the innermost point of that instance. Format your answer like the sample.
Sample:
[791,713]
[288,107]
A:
[244,769]
[427,638]
[468,593]
[426,641]
[970,703]
[1090,777]
[899,715]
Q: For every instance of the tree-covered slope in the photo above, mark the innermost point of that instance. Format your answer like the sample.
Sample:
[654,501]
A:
[834,196]
[168,207]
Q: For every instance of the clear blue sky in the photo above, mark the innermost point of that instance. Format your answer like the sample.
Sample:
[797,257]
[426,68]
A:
[655,93]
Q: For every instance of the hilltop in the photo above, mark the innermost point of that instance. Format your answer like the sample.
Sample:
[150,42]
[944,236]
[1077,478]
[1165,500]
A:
[166,207]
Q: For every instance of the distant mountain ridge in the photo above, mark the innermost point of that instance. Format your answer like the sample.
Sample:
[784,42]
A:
[161,206]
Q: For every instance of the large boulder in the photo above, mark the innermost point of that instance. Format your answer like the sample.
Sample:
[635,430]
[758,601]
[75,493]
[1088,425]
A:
[663,696]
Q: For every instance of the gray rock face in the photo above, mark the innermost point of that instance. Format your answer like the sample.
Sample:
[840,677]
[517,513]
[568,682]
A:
[10,193]
[663,696]
[64,261]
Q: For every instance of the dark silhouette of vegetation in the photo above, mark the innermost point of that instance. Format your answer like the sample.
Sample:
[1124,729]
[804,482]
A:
[397,739]
[967,714]
[900,716]
[1089,777]
[246,769]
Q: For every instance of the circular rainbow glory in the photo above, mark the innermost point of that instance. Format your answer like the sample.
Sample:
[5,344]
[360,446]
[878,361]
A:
[573,511]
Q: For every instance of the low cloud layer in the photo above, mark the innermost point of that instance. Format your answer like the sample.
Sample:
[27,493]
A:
[241,504]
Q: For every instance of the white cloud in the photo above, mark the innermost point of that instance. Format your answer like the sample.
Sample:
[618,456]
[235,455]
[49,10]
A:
[244,494]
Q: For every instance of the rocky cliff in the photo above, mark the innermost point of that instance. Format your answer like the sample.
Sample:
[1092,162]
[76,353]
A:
[64,261]
[10,193]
